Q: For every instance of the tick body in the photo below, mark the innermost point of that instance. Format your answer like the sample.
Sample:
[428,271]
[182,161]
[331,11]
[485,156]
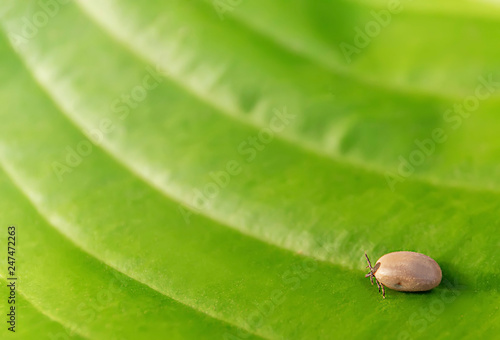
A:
[405,271]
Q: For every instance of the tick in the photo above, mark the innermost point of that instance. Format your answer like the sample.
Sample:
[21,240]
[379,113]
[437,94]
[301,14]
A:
[405,271]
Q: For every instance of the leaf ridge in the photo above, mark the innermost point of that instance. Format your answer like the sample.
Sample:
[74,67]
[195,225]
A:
[31,198]
[48,315]
[290,140]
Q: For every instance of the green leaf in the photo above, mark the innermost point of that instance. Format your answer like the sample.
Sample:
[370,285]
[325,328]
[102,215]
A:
[199,169]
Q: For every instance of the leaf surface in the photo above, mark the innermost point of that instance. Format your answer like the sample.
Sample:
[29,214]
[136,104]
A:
[238,169]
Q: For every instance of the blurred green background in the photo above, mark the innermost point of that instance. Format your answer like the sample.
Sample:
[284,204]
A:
[189,169]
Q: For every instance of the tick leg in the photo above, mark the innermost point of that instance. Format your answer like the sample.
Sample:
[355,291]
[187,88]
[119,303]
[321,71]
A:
[370,275]
[368,260]
[383,291]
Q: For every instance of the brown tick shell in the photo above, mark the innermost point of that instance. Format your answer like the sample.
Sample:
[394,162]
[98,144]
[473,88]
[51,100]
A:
[408,271]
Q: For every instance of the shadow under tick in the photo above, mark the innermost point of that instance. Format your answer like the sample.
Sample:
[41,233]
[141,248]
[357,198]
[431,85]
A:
[453,278]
